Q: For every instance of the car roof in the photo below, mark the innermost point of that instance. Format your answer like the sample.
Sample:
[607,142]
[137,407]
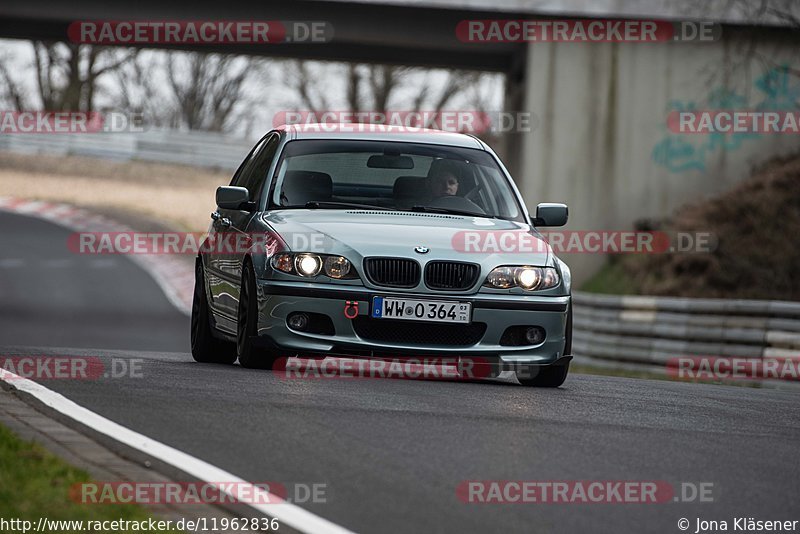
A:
[379,132]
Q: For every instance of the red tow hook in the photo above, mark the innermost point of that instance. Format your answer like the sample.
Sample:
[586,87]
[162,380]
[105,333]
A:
[351,309]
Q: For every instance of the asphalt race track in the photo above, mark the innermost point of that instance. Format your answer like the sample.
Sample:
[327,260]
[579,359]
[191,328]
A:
[393,452]
[53,297]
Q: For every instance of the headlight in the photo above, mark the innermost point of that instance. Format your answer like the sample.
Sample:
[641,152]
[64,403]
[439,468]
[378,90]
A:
[283,262]
[528,278]
[307,264]
[337,266]
[502,277]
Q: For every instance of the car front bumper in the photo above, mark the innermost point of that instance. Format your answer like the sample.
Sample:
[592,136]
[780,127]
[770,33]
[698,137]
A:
[278,299]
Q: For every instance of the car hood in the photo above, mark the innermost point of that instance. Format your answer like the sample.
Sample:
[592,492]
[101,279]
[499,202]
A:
[360,233]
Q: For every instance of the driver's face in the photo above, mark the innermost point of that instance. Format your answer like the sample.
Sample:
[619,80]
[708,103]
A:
[448,184]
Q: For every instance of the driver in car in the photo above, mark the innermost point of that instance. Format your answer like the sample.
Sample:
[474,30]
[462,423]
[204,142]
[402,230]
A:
[444,182]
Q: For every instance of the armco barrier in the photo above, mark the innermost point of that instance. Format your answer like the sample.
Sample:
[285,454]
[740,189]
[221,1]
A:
[203,149]
[653,330]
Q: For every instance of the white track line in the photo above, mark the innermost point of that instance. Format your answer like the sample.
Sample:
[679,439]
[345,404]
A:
[286,513]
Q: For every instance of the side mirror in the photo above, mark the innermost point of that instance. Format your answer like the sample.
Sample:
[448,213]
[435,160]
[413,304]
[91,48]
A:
[231,197]
[551,214]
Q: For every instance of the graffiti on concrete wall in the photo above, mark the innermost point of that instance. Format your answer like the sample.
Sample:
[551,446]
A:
[776,89]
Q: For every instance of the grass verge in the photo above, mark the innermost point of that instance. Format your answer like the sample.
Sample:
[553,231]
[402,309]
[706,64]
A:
[35,483]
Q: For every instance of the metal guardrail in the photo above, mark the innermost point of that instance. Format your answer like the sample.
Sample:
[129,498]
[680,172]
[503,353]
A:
[655,330]
[202,149]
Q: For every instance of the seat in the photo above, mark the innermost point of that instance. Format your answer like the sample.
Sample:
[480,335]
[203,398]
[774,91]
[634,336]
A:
[409,191]
[301,187]
[439,166]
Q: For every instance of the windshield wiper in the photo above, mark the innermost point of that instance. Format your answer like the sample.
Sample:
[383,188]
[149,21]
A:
[332,205]
[449,211]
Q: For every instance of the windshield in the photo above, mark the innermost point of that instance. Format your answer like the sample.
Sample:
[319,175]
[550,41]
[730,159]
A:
[337,174]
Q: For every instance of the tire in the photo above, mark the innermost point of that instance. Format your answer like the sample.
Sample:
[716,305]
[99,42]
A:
[554,375]
[546,377]
[205,347]
[568,332]
[250,356]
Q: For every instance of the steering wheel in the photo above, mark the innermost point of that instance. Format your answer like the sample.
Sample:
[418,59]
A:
[457,203]
[473,194]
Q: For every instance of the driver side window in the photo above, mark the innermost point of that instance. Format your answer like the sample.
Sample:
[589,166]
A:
[253,173]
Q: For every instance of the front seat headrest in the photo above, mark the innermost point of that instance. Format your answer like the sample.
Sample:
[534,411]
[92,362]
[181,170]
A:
[300,187]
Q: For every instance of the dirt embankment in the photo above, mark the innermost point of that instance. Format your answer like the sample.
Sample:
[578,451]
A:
[173,196]
[757,225]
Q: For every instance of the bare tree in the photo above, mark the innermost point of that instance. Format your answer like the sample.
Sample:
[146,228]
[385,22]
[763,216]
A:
[67,73]
[306,90]
[11,91]
[140,87]
[370,87]
[195,91]
[383,80]
[751,54]
[206,88]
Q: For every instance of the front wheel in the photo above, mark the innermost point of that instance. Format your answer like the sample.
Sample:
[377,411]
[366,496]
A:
[249,355]
[205,347]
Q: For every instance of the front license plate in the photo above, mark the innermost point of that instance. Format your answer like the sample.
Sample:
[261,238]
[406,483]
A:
[421,310]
